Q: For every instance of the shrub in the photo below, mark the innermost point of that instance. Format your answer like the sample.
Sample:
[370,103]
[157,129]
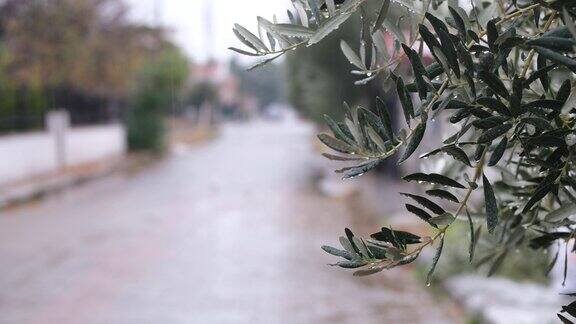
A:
[157,88]
[502,73]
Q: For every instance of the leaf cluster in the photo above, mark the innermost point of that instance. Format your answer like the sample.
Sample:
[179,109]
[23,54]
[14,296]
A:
[502,77]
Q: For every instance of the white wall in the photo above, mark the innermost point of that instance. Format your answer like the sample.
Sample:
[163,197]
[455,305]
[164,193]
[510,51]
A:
[26,155]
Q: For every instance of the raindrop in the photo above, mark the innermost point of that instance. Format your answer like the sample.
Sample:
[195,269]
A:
[428,285]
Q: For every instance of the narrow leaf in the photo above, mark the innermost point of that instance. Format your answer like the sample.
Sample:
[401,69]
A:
[426,203]
[328,27]
[421,213]
[491,205]
[434,178]
[336,144]
[498,152]
[381,15]
[414,142]
[494,133]
[435,260]
[442,194]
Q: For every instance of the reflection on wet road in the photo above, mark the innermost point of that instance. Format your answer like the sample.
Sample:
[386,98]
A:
[226,232]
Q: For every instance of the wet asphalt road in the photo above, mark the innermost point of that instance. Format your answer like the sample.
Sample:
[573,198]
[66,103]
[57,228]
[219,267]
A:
[227,231]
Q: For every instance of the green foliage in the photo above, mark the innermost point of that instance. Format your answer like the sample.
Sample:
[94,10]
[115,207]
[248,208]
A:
[158,87]
[503,75]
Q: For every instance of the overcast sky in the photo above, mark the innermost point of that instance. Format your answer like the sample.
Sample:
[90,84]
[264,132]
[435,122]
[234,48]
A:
[189,21]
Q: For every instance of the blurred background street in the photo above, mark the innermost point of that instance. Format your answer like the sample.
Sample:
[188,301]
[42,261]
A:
[224,232]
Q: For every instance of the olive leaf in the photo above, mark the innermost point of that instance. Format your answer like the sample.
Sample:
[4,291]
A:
[491,205]
[435,260]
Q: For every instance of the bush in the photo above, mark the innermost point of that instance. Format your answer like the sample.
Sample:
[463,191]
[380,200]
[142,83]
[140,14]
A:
[503,74]
[158,87]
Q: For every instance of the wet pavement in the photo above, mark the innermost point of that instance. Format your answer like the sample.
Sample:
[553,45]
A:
[228,231]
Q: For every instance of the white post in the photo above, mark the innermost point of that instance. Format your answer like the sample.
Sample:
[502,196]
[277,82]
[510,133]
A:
[57,122]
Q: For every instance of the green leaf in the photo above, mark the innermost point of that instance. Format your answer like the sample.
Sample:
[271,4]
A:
[405,100]
[414,142]
[561,31]
[465,57]
[328,27]
[428,38]
[457,153]
[459,20]
[351,55]
[352,264]
[359,170]
[436,23]
[341,158]
[243,52]
[546,141]
[557,44]
[369,271]
[426,203]
[336,144]
[494,83]
[494,104]
[336,130]
[263,62]
[374,137]
[337,252]
[564,91]
[491,205]
[433,178]
[541,191]
[435,260]
[418,69]
[498,152]
[452,150]
[492,33]
[350,237]
[375,122]
[494,133]
[381,15]
[442,194]
[490,122]
[545,103]
[564,319]
[472,246]
[562,213]
[449,51]
[385,118]
[421,213]
[251,38]
[291,30]
[396,238]
[557,57]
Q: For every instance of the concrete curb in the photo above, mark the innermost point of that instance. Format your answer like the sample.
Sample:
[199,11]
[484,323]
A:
[15,194]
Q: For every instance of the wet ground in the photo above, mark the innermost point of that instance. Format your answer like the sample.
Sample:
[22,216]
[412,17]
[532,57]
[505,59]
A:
[224,232]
